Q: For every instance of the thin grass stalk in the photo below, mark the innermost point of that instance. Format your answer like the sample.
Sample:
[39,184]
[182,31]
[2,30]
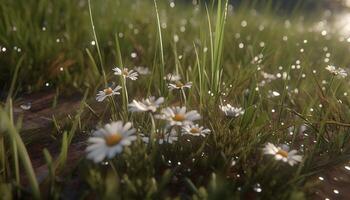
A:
[160,38]
[200,74]
[22,152]
[97,44]
[14,79]
[14,148]
[125,95]
[211,46]
[218,48]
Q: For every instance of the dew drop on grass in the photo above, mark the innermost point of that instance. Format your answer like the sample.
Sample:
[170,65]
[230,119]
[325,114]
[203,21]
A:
[176,38]
[244,23]
[257,188]
[321,178]
[133,55]
[182,29]
[336,191]
[347,167]
[276,94]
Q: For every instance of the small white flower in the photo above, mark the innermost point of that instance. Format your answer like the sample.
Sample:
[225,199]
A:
[282,153]
[232,111]
[342,73]
[332,69]
[163,137]
[109,141]
[177,116]
[172,77]
[142,70]
[195,130]
[337,72]
[149,104]
[107,92]
[126,73]
[179,85]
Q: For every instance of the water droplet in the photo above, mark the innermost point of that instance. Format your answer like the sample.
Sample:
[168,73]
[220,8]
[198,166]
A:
[244,23]
[133,55]
[276,94]
[105,163]
[257,188]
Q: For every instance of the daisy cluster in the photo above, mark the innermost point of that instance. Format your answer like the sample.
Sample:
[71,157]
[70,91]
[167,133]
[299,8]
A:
[108,141]
[174,121]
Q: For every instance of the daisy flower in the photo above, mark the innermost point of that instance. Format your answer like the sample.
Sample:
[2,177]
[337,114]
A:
[195,130]
[337,72]
[177,116]
[107,92]
[109,141]
[149,104]
[332,69]
[179,85]
[282,153]
[163,137]
[142,70]
[126,73]
[172,77]
[342,73]
[231,111]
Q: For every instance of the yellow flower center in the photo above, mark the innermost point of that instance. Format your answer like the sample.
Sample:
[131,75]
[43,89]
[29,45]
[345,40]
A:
[125,72]
[194,130]
[179,117]
[179,84]
[108,91]
[113,139]
[282,153]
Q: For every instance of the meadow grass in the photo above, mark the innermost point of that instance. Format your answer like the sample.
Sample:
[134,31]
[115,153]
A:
[269,64]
